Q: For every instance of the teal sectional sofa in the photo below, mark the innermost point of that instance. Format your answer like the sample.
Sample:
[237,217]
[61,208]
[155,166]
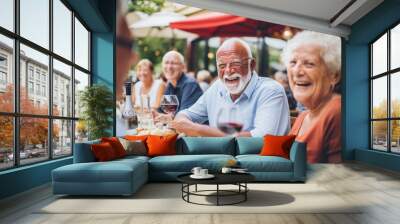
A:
[125,176]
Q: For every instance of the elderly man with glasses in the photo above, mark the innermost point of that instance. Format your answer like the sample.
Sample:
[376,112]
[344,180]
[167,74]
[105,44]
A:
[261,102]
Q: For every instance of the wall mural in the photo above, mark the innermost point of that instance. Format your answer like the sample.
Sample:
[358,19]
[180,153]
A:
[247,87]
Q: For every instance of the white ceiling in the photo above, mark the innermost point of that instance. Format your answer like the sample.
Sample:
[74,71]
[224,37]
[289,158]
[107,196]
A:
[317,15]
[320,9]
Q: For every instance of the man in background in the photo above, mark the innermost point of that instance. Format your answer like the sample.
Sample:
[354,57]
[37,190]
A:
[184,87]
[282,78]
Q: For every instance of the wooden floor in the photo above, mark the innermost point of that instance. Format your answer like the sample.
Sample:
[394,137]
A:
[377,188]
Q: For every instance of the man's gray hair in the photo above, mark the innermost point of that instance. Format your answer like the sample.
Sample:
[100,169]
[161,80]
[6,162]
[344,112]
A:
[330,48]
[180,56]
[234,40]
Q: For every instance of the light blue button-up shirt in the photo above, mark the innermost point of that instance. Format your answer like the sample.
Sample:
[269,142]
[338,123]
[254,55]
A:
[263,106]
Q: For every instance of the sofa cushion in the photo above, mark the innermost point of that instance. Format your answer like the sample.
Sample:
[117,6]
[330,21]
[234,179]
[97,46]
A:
[112,171]
[103,152]
[161,145]
[206,145]
[185,163]
[136,137]
[249,145]
[83,152]
[277,145]
[116,145]
[134,147]
[130,158]
[257,163]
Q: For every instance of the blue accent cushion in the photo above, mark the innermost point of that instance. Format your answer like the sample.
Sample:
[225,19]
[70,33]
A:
[185,163]
[206,145]
[83,153]
[298,154]
[257,163]
[249,145]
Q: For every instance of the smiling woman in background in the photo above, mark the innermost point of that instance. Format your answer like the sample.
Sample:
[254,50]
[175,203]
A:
[313,62]
[147,85]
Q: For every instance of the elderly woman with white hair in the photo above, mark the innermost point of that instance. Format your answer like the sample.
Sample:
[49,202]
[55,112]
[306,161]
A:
[313,62]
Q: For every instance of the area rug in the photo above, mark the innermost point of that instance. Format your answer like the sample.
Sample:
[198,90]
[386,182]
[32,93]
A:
[166,198]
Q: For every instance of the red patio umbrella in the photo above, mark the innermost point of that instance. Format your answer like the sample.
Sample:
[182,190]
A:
[215,24]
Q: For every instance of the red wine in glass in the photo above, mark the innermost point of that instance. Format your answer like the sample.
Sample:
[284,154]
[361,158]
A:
[169,108]
[230,127]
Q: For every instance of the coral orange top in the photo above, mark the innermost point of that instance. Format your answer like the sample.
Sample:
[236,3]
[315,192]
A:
[323,138]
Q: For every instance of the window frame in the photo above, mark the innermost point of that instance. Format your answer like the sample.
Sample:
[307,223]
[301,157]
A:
[16,114]
[389,73]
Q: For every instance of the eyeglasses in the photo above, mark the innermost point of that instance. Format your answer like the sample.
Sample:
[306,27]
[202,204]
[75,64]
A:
[235,64]
[126,43]
[173,63]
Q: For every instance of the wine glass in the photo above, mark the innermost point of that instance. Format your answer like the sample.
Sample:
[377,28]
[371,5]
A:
[228,120]
[169,104]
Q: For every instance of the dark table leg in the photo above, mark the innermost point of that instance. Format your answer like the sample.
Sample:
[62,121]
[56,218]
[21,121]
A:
[217,194]
[182,190]
[245,193]
[188,189]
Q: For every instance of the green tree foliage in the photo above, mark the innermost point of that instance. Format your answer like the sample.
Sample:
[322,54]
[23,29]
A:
[153,48]
[97,106]
[146,6]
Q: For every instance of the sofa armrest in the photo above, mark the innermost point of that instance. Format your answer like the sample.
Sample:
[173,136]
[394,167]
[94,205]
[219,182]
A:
[298,155]
[83,152]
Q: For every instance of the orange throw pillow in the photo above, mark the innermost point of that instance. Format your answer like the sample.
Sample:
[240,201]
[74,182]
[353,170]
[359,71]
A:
[116,145]
[136,138]
[277,145]
[161,145]
[103,152]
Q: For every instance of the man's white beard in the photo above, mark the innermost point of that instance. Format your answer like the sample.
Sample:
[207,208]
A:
[242,82]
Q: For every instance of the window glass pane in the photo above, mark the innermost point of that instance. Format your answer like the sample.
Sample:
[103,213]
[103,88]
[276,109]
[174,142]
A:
[35,21]
[6,74]
[379,55]
[379,135]
[395,136]
[379,98]
[81,45]
[34,97]
[62,138]
[395,47]
[6,142]
[7,14]
[395,94]
[81,81]
[81,131]
[62,89]
[33,139]
[62,29]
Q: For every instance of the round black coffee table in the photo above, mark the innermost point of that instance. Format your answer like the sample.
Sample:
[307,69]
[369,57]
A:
[238,179]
